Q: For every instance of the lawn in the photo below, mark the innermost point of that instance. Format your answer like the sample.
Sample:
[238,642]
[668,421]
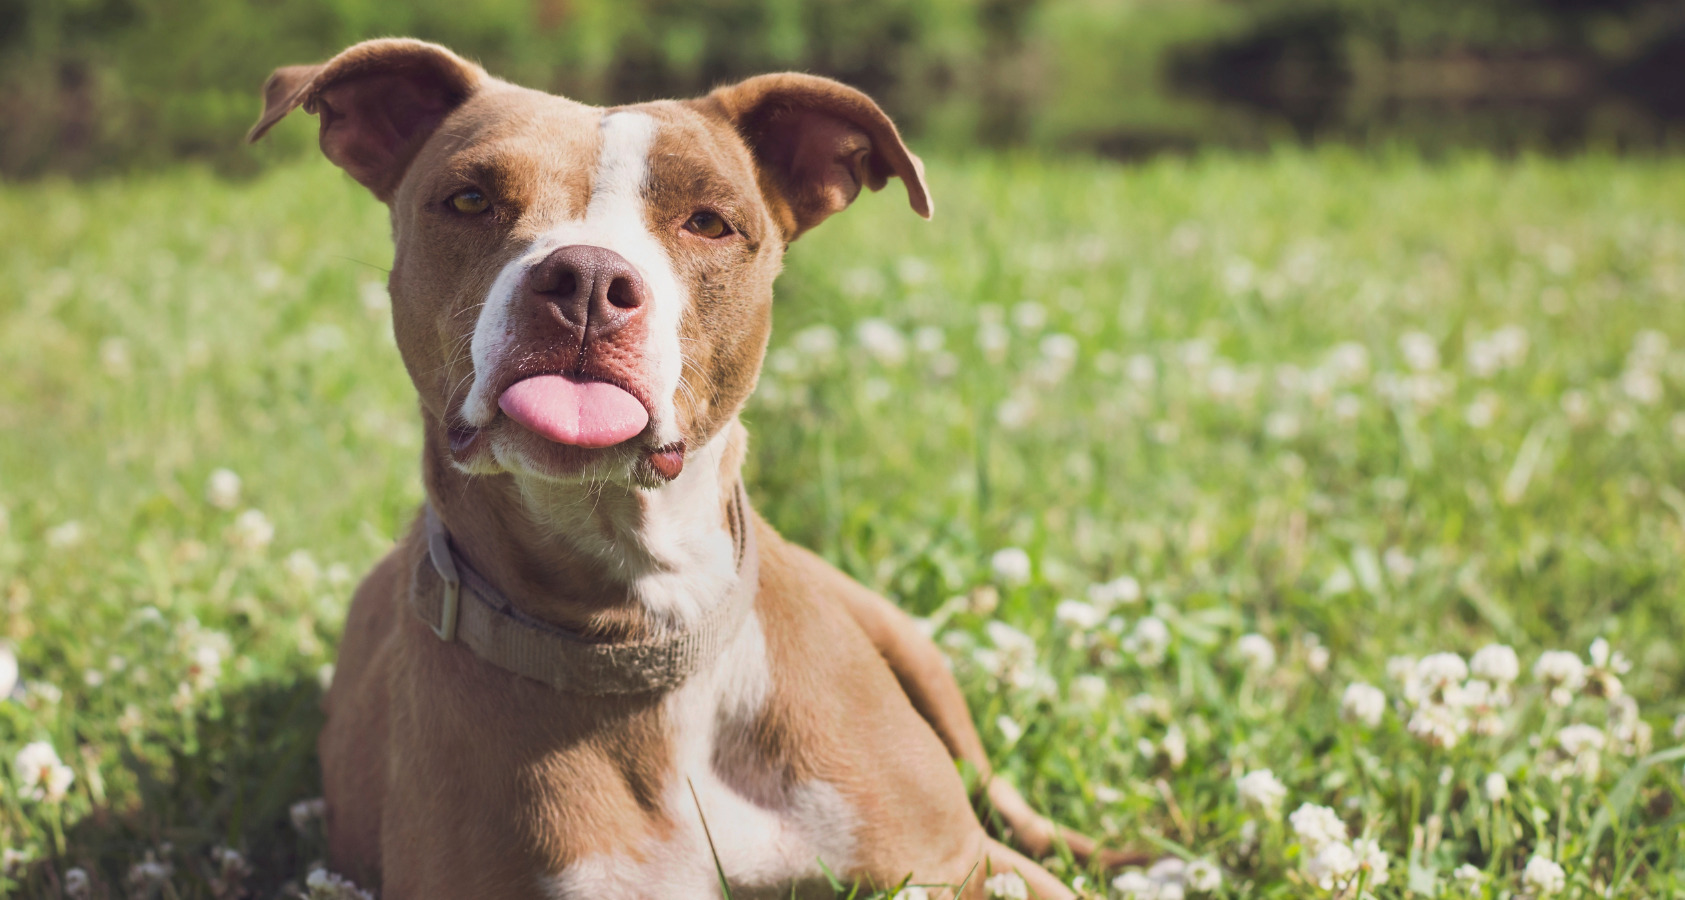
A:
[1170,458]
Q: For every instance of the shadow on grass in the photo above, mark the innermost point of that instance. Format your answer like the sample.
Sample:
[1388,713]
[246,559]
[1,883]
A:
[243,761]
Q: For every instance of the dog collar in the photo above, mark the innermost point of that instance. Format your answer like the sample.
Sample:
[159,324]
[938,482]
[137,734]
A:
[460,605]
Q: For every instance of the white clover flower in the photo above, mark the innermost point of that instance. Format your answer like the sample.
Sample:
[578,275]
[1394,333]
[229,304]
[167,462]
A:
[1149,641]
[1578,740]
[816,342]
[41,775]
[1331,866]
[1496,663]
[1281,425]
[222,489]
[301,567]
[1562,674]
[1371,859]
[1060,347]
[911,892]
[1014,659]
[1120,591]
[1441,669]
[1544,877]
[1077,615]
[1203,876]
[1170,868]
[1088,691]
[1148,706]
[1011,566]
[1349,361]
[1171,890]
[231,871]
[1678,730]
[339,575]
[1317,659]
[1175,747]
[1261,791]
[1421,352]
[1603,678]
[1347,407]
[305,814]
[149,875]
[1468,877]
[1141,369]
[1398,563]
[1363,703]
[1642,385]
[1009,729]
[1438,725]
[1483,411]
[66,535]
[251,531]
[8,669]
[1495,787]
[1603,658]
[1016,411]
[993,339]
[205,652]
[1135,886]
[77,885]
[1317,826]
[1006,886]
[1257,652]
[325,885]
[1029,315]
[882,340]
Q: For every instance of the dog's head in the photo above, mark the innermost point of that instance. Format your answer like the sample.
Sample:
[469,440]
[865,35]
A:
[582,292]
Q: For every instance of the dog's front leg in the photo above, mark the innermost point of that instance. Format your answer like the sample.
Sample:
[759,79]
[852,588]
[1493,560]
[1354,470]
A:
[924,675]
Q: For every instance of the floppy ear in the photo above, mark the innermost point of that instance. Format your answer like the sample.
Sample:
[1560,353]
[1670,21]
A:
[817,142]
[378,102]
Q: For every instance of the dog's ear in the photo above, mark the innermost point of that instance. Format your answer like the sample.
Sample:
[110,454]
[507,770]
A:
[817,143]
[378,102]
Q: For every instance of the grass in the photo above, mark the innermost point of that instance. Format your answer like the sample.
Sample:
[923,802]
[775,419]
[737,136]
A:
[1216,378]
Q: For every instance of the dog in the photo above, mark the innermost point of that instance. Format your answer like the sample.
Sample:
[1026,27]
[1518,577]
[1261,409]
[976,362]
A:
[590,669]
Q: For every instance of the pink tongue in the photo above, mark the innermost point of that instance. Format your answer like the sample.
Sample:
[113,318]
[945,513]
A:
[580,413]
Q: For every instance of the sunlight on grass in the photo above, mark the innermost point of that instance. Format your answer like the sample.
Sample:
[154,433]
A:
[1228,485]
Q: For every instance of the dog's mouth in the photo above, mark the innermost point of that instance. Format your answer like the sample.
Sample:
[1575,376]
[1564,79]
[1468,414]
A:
[573,413]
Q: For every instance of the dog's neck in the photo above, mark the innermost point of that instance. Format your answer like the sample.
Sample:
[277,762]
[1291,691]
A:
[601,558]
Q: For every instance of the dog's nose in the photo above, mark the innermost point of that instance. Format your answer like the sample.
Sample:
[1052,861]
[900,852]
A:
[589,287]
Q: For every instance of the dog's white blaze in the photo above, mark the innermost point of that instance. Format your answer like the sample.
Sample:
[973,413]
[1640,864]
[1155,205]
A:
[613,220]
[768,834]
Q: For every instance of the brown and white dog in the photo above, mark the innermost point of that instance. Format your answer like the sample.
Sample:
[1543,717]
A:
[589,670]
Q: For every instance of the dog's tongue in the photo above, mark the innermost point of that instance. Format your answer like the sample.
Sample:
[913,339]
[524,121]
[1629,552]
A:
[569,411]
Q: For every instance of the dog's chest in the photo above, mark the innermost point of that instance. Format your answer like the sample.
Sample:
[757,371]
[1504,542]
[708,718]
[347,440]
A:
[766,829]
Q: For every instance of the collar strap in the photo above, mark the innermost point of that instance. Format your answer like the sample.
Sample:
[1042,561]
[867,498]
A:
[460,605]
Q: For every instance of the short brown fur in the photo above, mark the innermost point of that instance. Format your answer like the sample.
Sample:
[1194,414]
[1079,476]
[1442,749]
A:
[447,776]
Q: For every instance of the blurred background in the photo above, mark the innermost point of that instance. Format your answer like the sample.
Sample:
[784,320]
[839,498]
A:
[95,85]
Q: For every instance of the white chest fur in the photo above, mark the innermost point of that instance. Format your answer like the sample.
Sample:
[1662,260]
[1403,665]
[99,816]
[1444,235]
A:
[768,832]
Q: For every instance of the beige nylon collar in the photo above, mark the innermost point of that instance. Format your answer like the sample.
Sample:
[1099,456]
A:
[460,605]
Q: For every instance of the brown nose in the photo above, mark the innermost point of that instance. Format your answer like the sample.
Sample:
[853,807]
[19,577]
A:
[589,288]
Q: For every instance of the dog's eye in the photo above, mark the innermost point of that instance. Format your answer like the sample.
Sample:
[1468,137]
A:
[708,225]
[470,202]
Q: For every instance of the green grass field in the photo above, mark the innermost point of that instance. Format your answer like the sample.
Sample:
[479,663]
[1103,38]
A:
[1296,417]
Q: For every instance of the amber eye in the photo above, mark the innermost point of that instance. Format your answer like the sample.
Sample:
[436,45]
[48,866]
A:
[470,202]
[708,224]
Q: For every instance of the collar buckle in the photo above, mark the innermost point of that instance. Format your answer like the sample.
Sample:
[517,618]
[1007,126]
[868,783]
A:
[438,549]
